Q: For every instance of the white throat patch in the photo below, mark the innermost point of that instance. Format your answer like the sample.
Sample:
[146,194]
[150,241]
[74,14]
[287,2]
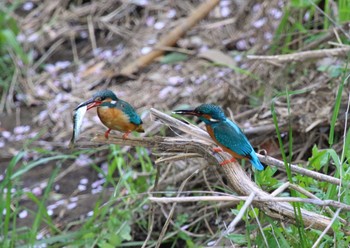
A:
[213,120]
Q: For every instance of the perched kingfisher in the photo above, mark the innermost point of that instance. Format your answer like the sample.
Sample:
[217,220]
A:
[114,113]
[225,133]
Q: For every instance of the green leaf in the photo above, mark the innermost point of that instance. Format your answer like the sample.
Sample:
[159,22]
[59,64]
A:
[266,179]
[115,239]
[319,158]
[239,239]
[300,3]
[335,113]
[35,163]
[347,145]
[104,244]
[125,231]
[173,58]
[8,38]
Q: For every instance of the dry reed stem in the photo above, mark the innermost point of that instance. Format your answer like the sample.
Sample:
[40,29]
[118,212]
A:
[326,229]
[306,55]
[234,173]
[171,38]
[318,202]
[239,216]
[298,170]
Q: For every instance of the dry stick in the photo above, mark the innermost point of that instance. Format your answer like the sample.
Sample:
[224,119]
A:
[310,195]
[259,225]
[171,38]
[280,189]
[152,210]
[171,213]
[296,169]
[327,228]
[92,33]
[180,176]
[238,217]
[245,198]
[302,56]
[236,176]
[47,54]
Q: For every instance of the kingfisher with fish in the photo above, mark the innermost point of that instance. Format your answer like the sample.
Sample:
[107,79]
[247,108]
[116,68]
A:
[113,112]
[225,133]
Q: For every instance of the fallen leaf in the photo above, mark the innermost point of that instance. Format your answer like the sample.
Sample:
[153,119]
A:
[217,56]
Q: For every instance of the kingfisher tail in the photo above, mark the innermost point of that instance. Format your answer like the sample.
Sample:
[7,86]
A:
[256,162]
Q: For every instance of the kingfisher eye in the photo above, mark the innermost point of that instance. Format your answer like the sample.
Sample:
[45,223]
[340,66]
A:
[98,99]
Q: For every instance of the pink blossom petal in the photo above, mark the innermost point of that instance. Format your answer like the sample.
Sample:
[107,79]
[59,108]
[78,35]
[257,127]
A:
[23,214]
[159,25]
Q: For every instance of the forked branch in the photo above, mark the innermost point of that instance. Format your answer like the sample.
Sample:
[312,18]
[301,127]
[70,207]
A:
[201,143]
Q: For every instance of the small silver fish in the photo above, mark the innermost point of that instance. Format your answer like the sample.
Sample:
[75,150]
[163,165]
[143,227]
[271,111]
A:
[78,116]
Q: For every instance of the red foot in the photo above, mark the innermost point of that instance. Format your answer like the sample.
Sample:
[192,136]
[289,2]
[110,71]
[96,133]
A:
[125,135]
[107,132]
[225,162]
[217,149]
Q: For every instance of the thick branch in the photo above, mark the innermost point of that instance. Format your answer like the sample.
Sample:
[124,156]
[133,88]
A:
[236,176]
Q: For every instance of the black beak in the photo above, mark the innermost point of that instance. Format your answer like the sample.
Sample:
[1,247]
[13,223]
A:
[186,112]
[89,103]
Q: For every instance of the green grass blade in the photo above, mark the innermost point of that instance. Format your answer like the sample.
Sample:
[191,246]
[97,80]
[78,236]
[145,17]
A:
[296,206]
[31,165]
[41,212]
[335,113]
[5,205]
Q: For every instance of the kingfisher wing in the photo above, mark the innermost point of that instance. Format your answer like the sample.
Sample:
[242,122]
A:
[231,136]
[130,112]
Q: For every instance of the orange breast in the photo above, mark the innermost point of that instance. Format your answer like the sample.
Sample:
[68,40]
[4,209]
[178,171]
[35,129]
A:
[115,119]
[211,133]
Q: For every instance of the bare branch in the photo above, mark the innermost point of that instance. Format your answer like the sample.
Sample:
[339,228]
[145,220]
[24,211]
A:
[234,173]
[238,217]
[302,56]
[331,203]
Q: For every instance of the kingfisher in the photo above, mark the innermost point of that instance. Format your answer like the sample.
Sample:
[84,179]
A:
[225,133]
[114,113]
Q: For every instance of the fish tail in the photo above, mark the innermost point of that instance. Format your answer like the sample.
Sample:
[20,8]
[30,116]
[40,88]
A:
[140,129]
[71,143]
[256,162]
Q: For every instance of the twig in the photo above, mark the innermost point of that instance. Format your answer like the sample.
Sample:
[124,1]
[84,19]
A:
[280,189]
[171,213]
[47,54]
[238,217]
[302,56]
[298,170]
[310,195]
[171,38]
[92,33]
[151,210]
[325,231]
[245,198]
[260,227]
